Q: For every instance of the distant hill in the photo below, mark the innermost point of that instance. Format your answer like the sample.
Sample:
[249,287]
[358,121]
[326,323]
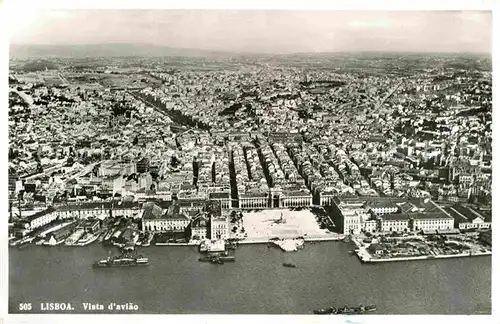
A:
[39,65]
[108,50]
[403,60]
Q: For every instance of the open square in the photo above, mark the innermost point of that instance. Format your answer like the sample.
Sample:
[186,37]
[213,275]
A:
[266,224]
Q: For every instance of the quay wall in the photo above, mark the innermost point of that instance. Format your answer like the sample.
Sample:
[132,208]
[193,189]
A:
[416,258]
[366,257]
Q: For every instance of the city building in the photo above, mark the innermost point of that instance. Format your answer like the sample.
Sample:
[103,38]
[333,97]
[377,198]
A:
[468,218]
[173,219]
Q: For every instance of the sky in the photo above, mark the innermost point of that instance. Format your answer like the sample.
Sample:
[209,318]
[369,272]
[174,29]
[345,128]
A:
[265,31]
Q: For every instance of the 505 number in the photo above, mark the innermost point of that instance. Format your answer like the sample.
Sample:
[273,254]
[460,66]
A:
[25,306]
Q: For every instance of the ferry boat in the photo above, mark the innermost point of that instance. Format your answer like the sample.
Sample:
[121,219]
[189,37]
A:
[122,261]
[289,265]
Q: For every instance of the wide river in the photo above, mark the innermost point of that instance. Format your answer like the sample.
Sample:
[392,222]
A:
[257,283]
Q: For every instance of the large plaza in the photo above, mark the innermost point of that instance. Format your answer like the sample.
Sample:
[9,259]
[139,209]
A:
[282,223]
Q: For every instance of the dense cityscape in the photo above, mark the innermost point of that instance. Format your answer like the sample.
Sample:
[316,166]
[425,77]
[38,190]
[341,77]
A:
[390,152]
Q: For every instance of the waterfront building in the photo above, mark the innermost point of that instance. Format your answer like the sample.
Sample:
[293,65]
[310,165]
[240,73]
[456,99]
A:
[376,248]
[394,223]
[389,215]
[432,221]
[347,213]
[351,223]
[41,218]
[198,228]
[425,214]
[151,212]
[382,207]
[219,227]
[370,226]
[468,218]
[218,220]
[99,210]
[173,219]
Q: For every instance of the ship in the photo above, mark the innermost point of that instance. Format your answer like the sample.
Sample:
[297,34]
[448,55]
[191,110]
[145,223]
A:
[289,265]
[123,260]
[346,310]
[324,311]
[222,258]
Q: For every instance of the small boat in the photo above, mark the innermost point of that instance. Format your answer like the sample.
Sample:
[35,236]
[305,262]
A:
[227,258]
[324,311]
[217,261]
[87,239]
[148,239]
[108,234]
[23,245]
[129,248]
[289,265]
[40,242]
[355,310]
[14,243]
[231,245]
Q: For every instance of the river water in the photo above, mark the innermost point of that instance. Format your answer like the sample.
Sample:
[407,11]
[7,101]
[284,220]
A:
[257,283]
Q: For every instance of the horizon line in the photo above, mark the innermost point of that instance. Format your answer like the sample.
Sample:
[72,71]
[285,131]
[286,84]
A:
[253,53]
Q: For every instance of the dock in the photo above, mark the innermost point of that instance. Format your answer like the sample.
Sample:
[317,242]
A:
[288,245]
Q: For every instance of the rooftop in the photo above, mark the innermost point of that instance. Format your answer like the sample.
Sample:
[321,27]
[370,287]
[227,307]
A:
[464,213]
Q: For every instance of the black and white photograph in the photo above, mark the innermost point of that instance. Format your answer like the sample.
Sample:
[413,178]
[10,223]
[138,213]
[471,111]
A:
[249,161]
